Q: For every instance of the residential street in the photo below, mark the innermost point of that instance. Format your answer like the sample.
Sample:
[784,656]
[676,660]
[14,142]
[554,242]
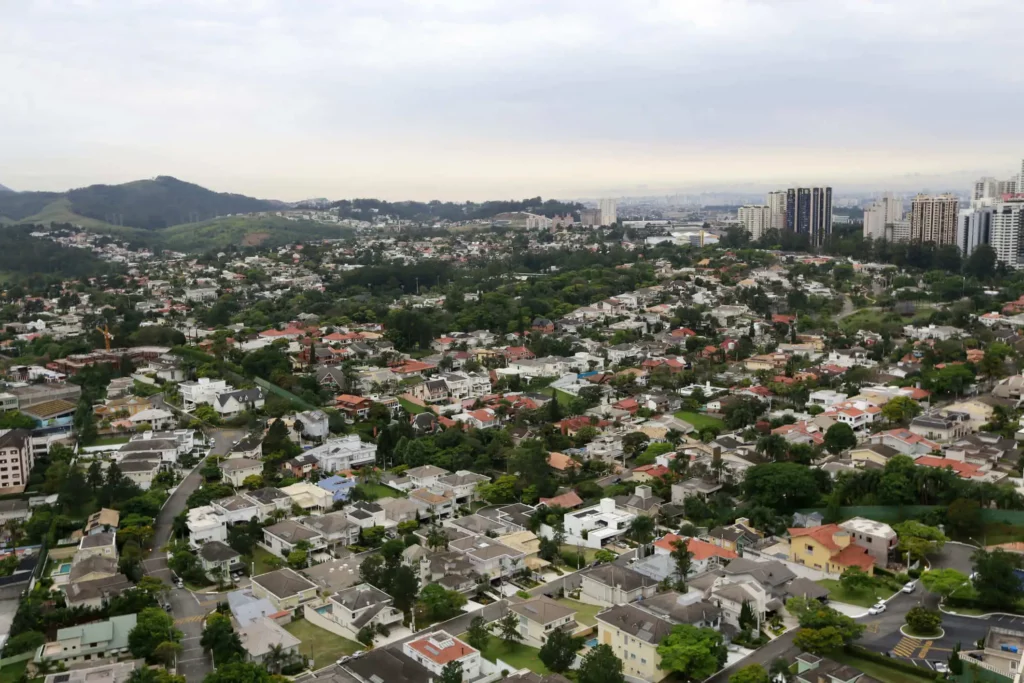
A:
[188,609]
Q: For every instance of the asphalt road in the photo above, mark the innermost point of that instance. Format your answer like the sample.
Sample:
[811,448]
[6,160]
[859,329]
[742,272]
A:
[954,556]
[188,609]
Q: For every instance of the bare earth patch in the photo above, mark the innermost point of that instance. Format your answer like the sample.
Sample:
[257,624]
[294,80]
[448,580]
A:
[254,239]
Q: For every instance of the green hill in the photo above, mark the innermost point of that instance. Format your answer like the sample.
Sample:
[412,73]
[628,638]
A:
[23,255]
[245,231]
[146,204]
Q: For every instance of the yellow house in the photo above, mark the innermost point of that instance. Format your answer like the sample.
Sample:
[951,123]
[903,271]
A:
[829,548]
[875,453]
[634,635]
[540,617]
[286,589]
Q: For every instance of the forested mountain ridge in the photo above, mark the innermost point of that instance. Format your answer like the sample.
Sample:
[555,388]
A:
[4,188]
[148,204]
[366,209]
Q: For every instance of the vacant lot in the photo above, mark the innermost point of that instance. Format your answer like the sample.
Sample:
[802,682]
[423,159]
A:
[700,421]
[322,645]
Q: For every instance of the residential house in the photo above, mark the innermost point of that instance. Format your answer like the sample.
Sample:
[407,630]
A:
[873,453]
[878,537]
[829,548]
[300,466]
[335,528]
[461,486]
[219,560]
[140,472]
[633,635]
[89,642]
[736,536]
[704,556]
[540,617]
[358,607]
[354,407]
[905,441]
[105,520]
[232,403]
[283,537]
[598,525]
[249,446]
[338,486]
[96,593]
[365,514]
[941,426]
[236,470]
[315,424]
[436,650]
[488,557]
[344,453]
[205,524]
[610,584]
[261,637]
[285,588]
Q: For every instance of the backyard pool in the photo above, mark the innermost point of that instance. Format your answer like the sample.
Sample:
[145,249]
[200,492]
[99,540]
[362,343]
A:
[591,643]
[64,569]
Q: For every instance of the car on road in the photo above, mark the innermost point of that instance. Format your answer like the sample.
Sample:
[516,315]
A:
[940,667]
[909,587]
[179,583]
[355,655]
[878,608]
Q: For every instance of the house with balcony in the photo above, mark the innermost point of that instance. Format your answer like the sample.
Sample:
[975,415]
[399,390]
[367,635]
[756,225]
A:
[285,589]
[205,525]
[610,584]
[829,548]
[436,650]
[461,486]
[344,453]
[488,557]
[283,537]
[232,403]
[237,509]
[96,641]
[202,391]
[540,617]
[355,608]
[236,470]
[366,514]
[336,529]
[598,525]
[219,559]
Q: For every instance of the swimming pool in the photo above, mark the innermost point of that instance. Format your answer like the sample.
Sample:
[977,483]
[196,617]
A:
[64,569]
[591,643]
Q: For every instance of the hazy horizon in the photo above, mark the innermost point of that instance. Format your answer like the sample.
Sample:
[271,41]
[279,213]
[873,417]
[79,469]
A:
[479,99]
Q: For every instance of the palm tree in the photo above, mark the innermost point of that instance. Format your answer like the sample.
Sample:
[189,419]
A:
[641,530]
[276,658]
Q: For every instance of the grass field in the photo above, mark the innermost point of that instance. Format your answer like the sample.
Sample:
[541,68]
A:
[411,407]
[12,672]
[379,490]
[883,673]
[585,614]
[699,421]
[589,553]
[517,655]
[259,558]
[323,646]
[864,598]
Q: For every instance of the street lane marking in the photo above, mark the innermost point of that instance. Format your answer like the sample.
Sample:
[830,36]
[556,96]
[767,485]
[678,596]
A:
[872,626]
[189,620]
[924,650]
[906,647]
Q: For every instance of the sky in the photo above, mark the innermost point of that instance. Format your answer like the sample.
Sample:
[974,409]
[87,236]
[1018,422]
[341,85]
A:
[487,99]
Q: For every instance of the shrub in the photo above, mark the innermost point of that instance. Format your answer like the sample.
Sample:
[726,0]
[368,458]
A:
[923,621]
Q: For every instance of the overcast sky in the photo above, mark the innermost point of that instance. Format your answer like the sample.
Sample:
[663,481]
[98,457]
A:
[474,99]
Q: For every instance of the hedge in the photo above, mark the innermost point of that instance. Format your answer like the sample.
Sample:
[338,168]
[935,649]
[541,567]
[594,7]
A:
[891,662]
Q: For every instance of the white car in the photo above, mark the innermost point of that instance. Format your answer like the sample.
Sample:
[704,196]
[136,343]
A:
[910,586]
[941,667]
[877,609]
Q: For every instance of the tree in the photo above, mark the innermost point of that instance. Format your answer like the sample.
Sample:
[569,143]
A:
[819,641]
[239,672]
[923,621]
[153,627]
[956,665]
[641,530]
[634,442]
[696,653]
[752,673]
[403,588]
[943,581]
[772,446]
[508,629]
[167,652]
[440,604]
[742,411]
[603,556]
[684,562]
[919,539]
[747,619]
[559,650]
[782,486]
[451,673]
[478,635]
[839,437]
[220,640]
[963,517]
[85,422]
[901,409]
[981,264]
[855,580]
[996,580]
[276,658]
[600,665]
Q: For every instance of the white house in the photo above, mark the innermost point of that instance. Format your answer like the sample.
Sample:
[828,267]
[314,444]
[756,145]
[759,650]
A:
[231,403]
[203,390]
[436,650]
[283,537]
[344,453]
[314,424]
[205,525]
[596,526]
[237,469]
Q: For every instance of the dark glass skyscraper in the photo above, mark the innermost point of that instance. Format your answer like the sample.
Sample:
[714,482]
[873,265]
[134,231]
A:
[809,212]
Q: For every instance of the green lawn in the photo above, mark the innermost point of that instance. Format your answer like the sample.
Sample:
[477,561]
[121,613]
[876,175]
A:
[379,490]
[589,553]
[517,655]
[323,646]
[585,614]
[259,558]
[863,598]
[883,673]
[997,532]
[700,421]
[410,407]
[12,672]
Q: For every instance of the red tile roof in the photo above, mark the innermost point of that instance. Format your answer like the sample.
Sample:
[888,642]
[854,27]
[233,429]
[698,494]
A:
[965,469]
[566,500]
[701,550]
[429,649]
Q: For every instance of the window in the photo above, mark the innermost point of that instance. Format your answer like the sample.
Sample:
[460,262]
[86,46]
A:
[810,548]
[643,661]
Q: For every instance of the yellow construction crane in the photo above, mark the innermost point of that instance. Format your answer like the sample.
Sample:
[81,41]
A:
[105,331]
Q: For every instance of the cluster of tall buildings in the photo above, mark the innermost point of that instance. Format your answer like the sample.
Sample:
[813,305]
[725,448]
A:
[803,210]
[994,216]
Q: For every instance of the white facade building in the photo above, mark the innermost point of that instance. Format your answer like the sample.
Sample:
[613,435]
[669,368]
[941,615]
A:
[203,390]
[344,453]
[776,202]
[756,219]
[596,526]
[1006,229]
[608,212]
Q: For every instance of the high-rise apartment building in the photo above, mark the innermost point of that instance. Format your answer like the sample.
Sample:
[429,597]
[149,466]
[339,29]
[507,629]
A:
[974,226]
[16,458]
[933,218]
[1006,187]
[608,214]
[881,213]
[809,212]
[1007,223]
[776,202]
[985,188]
[756,219]
[899,231]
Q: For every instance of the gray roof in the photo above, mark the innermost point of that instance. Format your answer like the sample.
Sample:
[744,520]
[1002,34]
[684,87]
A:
[637,623]
[284,583]
[291,531]
[104,538]
[216,551]
[80,591]
[331,523]
[267,495]
[240,464]
[674,607]
[144,445]
[240,395]
[390,666]
[248,443]
[768,574]
[360,597]
[96,563]
[542,610]
[335,575]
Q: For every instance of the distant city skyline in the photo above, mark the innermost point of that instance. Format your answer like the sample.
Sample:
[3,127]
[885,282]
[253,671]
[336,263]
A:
[586,98]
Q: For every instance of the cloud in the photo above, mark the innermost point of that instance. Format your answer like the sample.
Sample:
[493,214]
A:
[488,98]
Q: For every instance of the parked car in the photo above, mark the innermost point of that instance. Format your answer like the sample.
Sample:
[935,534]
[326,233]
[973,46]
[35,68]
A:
[878,608]
[941,667]
[910,587]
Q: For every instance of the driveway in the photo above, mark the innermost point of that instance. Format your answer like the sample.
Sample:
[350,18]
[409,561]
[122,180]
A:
[954,556]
